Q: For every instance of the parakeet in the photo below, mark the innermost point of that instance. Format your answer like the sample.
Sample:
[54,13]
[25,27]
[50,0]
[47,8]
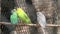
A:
[23,16]
[31,11]
[14,17]
[41,20]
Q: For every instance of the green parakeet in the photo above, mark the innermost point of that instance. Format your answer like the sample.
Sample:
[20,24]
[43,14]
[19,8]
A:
[23,16]
[14,17]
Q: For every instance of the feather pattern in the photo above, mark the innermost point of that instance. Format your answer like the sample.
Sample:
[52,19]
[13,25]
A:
[23,16]
[14,17]
[41,20]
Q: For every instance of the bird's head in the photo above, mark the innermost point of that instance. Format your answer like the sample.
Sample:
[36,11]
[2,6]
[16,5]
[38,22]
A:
[13,11]
[39,13]
[19,10]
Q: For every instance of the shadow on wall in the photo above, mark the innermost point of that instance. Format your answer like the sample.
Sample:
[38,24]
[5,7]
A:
[6,7]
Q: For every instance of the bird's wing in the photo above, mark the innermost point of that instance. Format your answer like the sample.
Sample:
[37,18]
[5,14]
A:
[41,19]
[14,19]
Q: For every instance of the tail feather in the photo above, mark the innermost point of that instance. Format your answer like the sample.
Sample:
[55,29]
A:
[43,30]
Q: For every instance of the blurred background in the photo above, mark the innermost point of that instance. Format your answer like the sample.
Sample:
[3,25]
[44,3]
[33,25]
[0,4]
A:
[50,8]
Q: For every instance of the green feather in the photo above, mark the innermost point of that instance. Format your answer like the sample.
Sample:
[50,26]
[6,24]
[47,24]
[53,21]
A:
[23,16]
[14,17]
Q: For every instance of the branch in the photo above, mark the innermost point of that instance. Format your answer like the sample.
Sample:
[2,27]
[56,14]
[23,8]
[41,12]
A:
[47,25]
